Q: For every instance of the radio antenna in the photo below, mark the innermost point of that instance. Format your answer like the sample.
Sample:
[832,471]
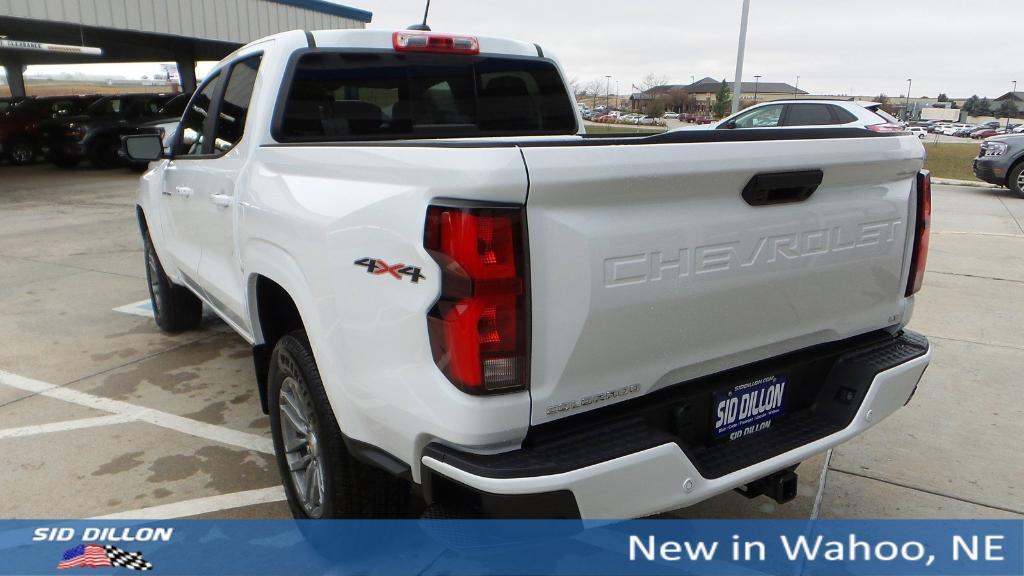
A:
[423,27]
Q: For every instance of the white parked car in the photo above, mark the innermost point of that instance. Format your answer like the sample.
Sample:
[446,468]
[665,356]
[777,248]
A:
[809,113]
[919,131]
[451,289]
[671,115]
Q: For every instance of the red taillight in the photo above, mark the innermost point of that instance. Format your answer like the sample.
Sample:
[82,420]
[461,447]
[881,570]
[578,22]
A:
[885,128]
[429,42]
[479,328]
[919,257]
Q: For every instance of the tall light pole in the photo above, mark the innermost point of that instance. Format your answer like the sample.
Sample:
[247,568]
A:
[737,83]
[797,87]
[607,90]
[757,79]
[1013,94]
[906,111]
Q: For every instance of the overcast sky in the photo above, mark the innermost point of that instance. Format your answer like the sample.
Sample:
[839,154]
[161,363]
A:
[836,47]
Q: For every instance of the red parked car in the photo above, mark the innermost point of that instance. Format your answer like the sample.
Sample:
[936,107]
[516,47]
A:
[985,133]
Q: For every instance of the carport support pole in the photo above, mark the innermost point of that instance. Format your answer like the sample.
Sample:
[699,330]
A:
[737,83]
[186,64]
[15,76]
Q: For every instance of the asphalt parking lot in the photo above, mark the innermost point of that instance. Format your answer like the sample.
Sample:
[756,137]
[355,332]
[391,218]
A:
[101,414]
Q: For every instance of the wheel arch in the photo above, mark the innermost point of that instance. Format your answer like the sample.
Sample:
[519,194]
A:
[1013,166]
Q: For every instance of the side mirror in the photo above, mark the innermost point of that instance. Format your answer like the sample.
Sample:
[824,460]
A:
[143,147]
[729,125]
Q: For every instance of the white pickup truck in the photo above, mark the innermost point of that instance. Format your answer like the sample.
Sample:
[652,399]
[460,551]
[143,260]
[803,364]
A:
[452,291]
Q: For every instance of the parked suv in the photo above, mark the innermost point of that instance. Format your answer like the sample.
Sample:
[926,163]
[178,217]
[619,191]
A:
[810,113]
[19,124]
[1001,161]
[95,135]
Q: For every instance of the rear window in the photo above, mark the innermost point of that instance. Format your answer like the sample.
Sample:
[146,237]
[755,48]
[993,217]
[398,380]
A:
[376,96]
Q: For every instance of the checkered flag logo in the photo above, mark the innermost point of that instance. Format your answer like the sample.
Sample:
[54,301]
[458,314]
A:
[129,560]
[96,556]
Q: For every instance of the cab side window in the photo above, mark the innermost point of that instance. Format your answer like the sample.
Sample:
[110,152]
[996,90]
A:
[234,108]
[192,141]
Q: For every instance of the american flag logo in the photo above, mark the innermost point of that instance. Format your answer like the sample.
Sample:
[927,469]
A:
[97,556]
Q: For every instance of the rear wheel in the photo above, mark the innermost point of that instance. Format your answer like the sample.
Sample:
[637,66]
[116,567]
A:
[175,309]
[321,479]
[1015,181]
[21,152]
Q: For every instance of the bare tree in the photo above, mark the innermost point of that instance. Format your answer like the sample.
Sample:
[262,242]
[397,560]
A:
[576,87]
[680,100]
[652,81]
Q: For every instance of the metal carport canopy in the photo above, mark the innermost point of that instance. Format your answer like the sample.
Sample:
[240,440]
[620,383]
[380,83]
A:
[182,31]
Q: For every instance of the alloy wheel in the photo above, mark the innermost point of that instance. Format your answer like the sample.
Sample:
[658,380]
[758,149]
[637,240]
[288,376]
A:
[301,445]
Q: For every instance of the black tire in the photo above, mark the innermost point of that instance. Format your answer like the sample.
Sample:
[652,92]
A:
[103,153]
[175,309]
[1015,181]
[350,489]
[21,151]
[66,162]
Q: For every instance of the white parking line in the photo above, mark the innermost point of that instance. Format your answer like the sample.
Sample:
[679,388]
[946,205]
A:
[156,417]
[200,505]
[142,308]
[65,426]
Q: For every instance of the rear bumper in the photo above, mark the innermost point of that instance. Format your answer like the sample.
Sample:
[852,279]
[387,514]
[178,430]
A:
[654,470]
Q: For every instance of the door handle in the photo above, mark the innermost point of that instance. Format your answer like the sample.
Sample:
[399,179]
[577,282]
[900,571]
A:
[222,200]
[781,187]
[184,191]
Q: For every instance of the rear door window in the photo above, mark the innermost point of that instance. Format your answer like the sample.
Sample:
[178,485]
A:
[380,96]
[809,115]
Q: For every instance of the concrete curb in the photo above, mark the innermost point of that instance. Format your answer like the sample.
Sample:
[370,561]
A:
[952,182]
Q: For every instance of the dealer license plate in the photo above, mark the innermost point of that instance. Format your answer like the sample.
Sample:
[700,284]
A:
[748,408]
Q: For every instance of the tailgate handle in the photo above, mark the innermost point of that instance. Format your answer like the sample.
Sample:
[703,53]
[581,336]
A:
[781,187]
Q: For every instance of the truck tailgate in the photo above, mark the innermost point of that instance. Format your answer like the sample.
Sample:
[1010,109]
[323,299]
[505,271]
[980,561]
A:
[648,268]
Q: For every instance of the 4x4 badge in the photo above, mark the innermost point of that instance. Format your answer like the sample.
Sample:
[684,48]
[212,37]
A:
[378,267]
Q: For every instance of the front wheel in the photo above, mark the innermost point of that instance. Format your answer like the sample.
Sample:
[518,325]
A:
[21,152]
[1015,181]
[320,478]
[103,153]
[175,309]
